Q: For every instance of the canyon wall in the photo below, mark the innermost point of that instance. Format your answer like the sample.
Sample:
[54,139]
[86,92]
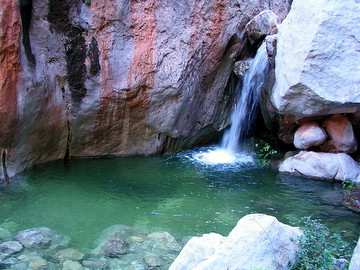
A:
[112,78]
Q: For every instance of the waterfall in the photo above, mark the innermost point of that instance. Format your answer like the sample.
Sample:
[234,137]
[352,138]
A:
[244,111]
[242,117]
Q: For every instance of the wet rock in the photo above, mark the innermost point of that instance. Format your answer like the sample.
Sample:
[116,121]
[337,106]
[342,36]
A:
[352,199]
[34,237]
[341,134]
[257,241]
[94,263]
[71,265]
[240,67]
[164,240]
[38,263]
[68,254]
[309,134]
[10,247]
[5,235]
[355,260]
[137,239]
[263,24]
[152,260]
[271,43]
[328,166]
[116,247]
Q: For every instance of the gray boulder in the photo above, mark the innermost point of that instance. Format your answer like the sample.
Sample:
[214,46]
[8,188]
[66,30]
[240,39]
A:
[328,166]
[257,241]
[317,62]
[309,134]
[355,260]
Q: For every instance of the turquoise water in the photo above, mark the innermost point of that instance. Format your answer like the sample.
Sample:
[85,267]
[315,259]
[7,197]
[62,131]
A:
[175,193]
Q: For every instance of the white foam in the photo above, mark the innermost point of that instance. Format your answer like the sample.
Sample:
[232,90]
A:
[221,156]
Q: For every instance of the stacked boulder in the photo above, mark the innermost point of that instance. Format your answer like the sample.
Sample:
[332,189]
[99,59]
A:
[316,94]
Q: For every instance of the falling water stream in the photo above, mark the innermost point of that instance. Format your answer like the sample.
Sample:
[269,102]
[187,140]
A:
[243,115]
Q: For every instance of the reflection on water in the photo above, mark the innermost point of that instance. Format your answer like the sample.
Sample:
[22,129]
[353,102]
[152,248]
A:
[177,193]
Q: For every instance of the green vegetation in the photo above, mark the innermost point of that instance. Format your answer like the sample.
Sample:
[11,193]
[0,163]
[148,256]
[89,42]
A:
[88,2]
[319,248]
[348,184]
[264,152]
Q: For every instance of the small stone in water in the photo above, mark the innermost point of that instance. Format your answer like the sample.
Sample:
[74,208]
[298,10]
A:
[33,237]
[115,247]
[137,239]
[68,254]
[4,235]
[93,263]
[10,247]
[70,265]
[38,264]
[152,260]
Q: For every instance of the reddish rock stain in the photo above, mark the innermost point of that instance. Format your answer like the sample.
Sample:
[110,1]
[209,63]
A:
[121,116]
[9,70]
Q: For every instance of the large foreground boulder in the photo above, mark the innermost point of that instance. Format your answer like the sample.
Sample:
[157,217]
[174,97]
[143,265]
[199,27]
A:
[355,260]
[329,166]
[317,61]
[257,241]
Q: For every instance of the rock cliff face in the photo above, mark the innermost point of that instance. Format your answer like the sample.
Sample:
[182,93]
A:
[96,78]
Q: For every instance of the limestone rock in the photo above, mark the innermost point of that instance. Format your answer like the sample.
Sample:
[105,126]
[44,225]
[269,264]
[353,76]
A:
[309,134]
[263,24]
[317,71]
[257,241]
[34,237]
[116,77]
[355,260]
[340,131]
[329,166]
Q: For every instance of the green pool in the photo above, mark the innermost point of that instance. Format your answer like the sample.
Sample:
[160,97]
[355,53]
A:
[175,193]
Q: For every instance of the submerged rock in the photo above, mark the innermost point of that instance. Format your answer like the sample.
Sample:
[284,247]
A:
[309,134]
[115,247]
[5,235]
[9,248]
[257,241]
[34,237]
[71,265]
[68,254]
[328,166]
[94,263]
